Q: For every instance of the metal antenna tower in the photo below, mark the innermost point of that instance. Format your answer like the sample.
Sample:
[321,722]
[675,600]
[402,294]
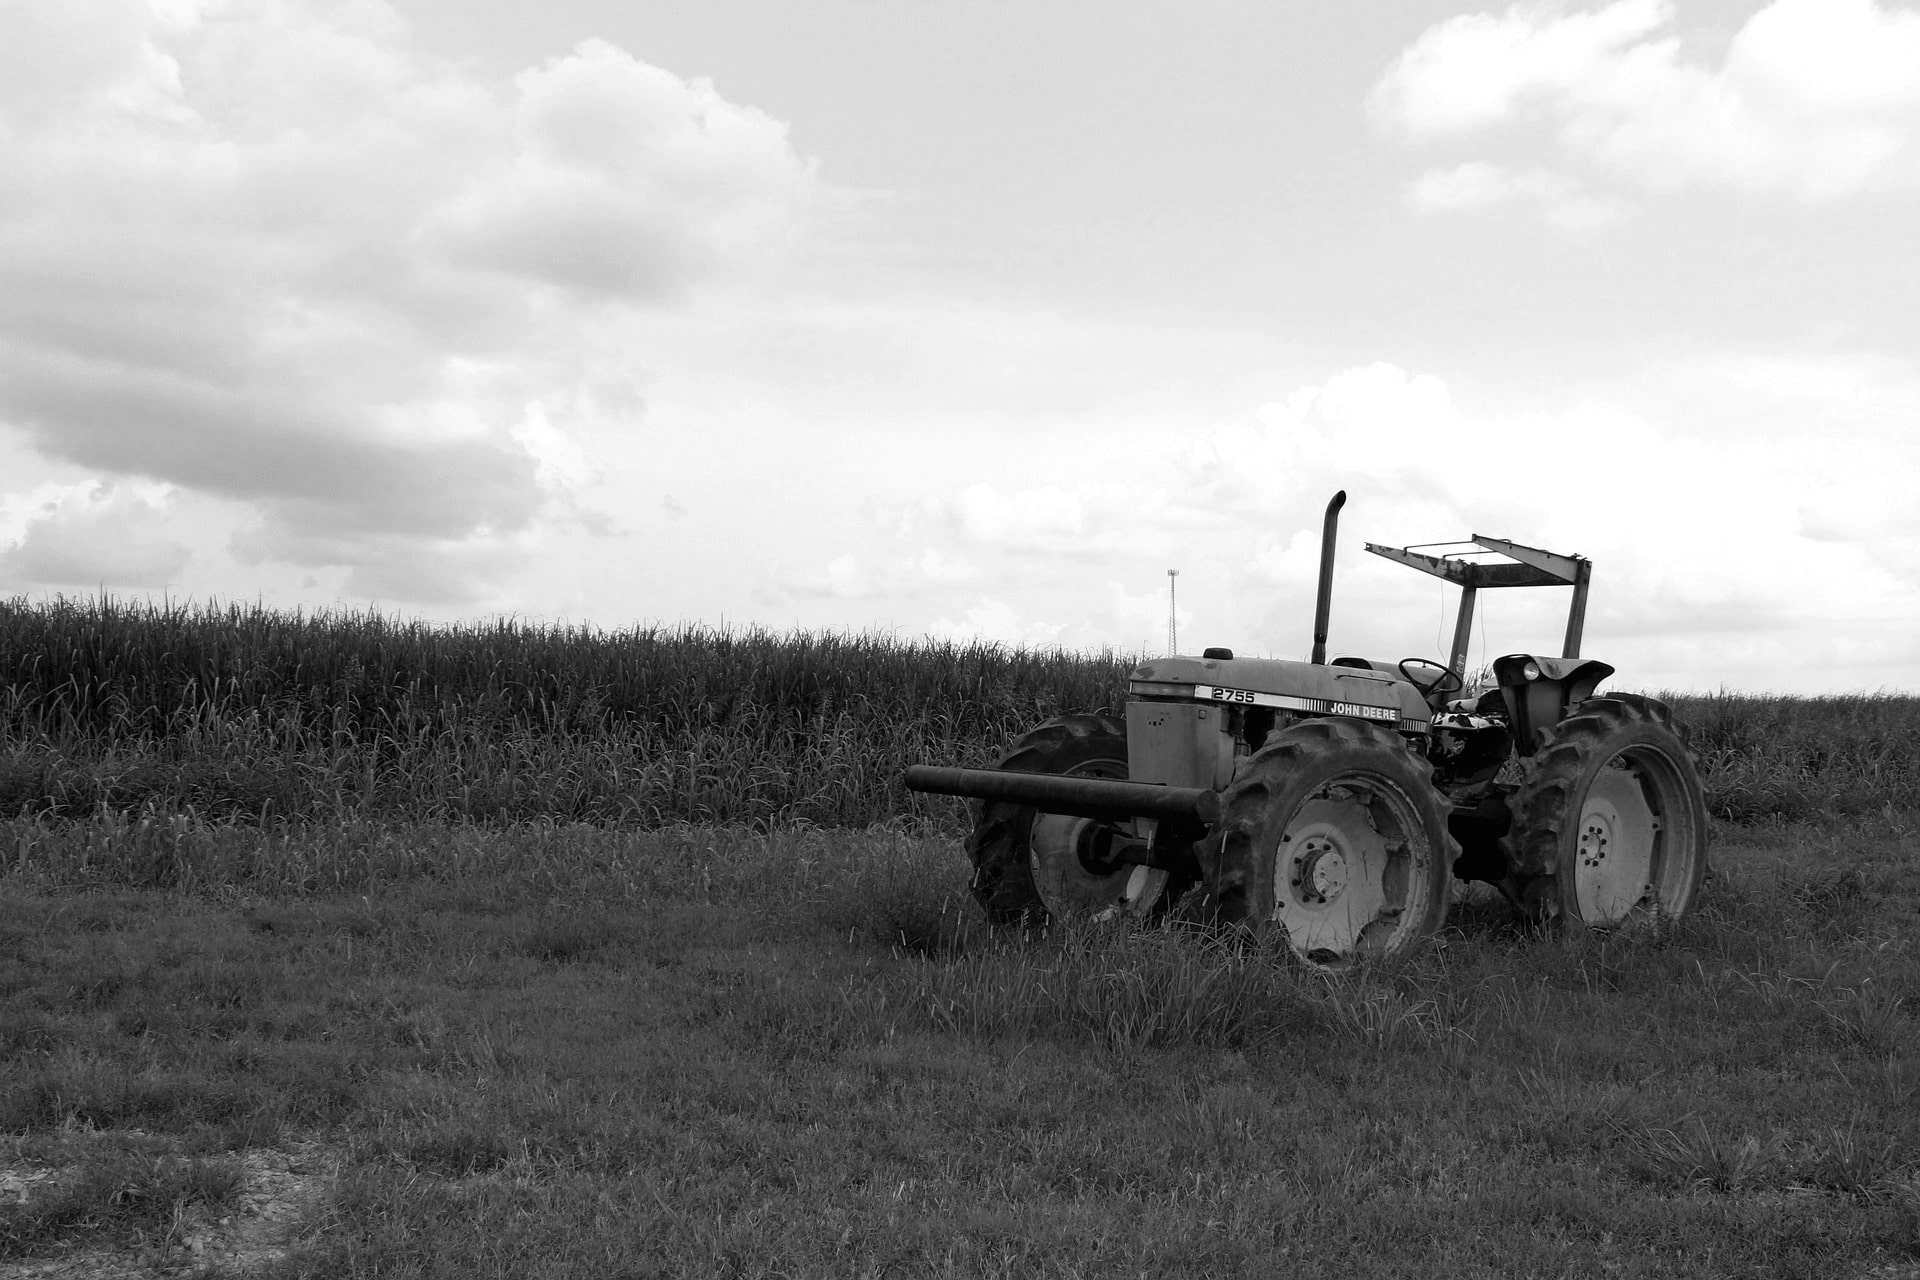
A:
[1173,616]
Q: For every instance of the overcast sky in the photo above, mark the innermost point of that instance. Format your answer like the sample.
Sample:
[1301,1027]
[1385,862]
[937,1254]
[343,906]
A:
[973,317]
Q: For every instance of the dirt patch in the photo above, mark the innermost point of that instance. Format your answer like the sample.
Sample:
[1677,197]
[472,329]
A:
[282,1189]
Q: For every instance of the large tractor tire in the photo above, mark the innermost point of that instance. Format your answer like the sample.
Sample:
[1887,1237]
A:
[1333,837]
[1610,820]
[1031,867]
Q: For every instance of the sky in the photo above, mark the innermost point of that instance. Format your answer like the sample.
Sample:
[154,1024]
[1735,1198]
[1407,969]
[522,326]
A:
[971,318]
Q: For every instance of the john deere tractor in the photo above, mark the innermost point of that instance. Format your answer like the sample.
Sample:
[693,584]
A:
[1333,803]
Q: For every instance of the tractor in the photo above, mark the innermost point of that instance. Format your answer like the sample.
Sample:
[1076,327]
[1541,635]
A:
[1330,805]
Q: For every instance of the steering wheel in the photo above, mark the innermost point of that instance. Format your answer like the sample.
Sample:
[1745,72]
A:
[1439,685]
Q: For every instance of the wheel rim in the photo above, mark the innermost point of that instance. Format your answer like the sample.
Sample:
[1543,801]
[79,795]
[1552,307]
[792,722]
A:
[1619,842]
[1344,882]
[1068,874]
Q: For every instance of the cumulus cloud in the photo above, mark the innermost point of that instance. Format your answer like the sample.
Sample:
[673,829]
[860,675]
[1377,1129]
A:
[1088,516]
[1051,515]
[848,577]
[1474,71]
[269,252]
[94,535]
[625,180]
[1816,99]
[1480,185]
[996,621]
[1709,559]
[1588,478]
[937,566]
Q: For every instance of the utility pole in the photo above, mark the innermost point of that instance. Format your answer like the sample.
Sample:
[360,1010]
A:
[1173,616]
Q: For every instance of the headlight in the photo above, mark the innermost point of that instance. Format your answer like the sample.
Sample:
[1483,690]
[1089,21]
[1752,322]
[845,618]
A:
[1531,671]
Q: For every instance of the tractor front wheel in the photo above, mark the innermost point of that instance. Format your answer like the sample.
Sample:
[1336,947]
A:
[1610,819]
[1030,866]
[1333,837]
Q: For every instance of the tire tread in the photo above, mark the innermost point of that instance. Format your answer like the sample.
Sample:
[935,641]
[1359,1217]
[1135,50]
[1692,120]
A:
[1543,804]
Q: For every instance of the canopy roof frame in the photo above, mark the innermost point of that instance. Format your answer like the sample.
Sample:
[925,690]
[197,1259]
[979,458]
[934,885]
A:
[1518,566]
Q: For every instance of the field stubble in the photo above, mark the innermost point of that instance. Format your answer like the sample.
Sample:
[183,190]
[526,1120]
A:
[569,1050]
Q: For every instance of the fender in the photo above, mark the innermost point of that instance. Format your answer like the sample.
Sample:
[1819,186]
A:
[1541,701]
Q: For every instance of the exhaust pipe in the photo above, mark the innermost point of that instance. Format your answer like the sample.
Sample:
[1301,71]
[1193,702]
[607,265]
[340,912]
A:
[1324,602]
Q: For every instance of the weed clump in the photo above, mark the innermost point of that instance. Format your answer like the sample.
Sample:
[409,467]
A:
[124,1196]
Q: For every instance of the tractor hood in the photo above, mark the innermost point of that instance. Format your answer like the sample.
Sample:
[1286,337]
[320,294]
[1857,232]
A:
[1292,686]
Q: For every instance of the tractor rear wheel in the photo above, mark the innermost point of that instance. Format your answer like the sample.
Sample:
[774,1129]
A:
[1030,866]
[1333,837]
[1610,819]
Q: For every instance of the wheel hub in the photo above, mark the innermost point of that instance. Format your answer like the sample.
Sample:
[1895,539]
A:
[1340,880]
[1323,871]
[1075,873]
[1596,832]
[1616,843]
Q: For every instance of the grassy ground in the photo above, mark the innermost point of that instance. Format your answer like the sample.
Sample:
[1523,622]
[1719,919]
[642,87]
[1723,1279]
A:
[573,1051]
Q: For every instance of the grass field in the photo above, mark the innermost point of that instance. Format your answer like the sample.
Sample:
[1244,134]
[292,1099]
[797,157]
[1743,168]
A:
[549,1050]
[341,946]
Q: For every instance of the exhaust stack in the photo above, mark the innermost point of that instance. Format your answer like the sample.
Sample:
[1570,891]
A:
[1324,601]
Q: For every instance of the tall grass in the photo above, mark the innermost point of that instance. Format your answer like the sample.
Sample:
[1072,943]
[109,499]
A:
[245,710]
[252,713]
[1780,757]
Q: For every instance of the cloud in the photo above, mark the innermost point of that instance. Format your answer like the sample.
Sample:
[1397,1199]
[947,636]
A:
[847,577]
[1815,99]
[1052,515]
[1713,563]
[626,180]
[271,253]
[1589,478]
[1087,517]
[995,620]
[1476,70]
[95,535]
[935,565]
[1479,185]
